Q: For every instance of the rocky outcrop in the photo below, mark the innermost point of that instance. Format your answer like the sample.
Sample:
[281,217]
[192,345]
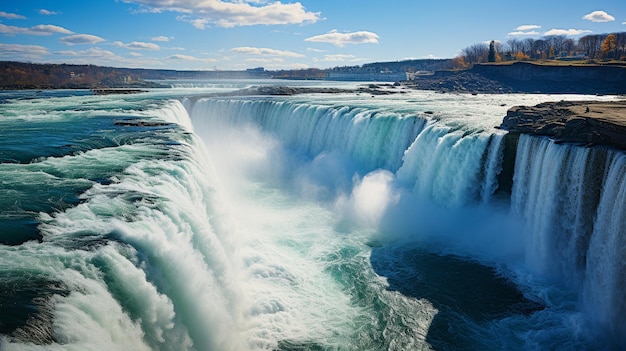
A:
[285,91]
[584,122]
[465,81]
[281,90]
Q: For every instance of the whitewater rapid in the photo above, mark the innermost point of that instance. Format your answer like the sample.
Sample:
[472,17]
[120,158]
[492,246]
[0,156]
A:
[334,222]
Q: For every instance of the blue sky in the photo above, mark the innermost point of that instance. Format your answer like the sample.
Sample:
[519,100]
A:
[277,34]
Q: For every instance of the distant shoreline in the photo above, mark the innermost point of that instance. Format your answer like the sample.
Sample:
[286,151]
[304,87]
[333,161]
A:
[498,78]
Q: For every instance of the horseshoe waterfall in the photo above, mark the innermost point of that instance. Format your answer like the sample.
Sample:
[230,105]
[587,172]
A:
[191,219]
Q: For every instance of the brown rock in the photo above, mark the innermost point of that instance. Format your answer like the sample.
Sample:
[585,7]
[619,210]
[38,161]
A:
[588,122]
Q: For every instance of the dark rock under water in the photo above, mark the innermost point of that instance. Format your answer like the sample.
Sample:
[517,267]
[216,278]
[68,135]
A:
[465,292]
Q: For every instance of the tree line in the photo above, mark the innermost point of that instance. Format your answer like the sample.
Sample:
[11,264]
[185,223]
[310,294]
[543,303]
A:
[20,75]
[593,47]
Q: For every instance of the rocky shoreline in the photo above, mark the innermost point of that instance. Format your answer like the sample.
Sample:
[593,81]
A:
[584,122]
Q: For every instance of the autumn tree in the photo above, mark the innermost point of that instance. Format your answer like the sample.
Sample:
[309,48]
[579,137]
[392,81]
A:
[516,46]
[459,63]
[520,56]
[608,46]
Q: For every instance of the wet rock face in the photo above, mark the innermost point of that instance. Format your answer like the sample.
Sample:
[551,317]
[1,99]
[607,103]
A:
[585,122]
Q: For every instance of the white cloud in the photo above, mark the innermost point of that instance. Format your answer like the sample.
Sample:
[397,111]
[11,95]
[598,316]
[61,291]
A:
[50,29]
[199,23]
[569,32]
[179,57]
[266,61]
[338,58]
[18,51]
[41,29]
[182,57]
[522,33]
[98,56]
[315,50]
[135,54]
[12,30]
[527,27]
[11,15]
[81,39]
[340,39]
[91,52]
[231,13]
[137,45]
[599,16]
[161,38]
[48,12]
[264,52]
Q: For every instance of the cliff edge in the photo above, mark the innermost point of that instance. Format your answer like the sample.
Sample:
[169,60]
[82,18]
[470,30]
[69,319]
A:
[585,122]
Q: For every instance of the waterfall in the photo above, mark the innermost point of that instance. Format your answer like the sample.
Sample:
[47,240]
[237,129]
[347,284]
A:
[605,279]
[447,164]
[570,198]
[573,200]
[371,138]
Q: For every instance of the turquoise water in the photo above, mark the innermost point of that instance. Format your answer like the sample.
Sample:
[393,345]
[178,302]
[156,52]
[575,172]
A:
[173,220]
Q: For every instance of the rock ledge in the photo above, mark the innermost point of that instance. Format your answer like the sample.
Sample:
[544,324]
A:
[585,122]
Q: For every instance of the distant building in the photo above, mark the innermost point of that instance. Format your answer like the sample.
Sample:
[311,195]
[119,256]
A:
[256,70]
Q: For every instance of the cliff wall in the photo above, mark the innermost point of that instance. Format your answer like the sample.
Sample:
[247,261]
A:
[524,71]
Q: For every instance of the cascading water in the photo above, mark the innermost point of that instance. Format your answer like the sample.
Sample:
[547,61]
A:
[334,222]
[573,201]
[605,274]
[440,162]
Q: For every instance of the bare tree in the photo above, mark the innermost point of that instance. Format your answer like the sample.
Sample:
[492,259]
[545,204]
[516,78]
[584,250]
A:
[476,53]
[569,46]
[540,49]
[590,45]
[529,44]
[515,46]
[557,42]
